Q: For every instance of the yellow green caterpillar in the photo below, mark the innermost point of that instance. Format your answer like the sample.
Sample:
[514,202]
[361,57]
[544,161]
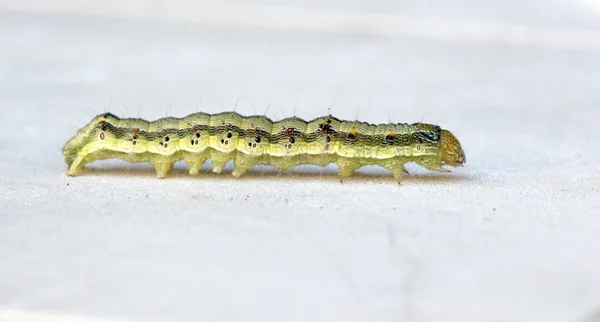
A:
[257,140]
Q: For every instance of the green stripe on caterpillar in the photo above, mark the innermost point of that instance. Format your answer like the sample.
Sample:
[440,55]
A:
[257,140]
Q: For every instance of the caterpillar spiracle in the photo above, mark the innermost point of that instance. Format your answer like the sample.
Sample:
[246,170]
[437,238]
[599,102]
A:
[257,140]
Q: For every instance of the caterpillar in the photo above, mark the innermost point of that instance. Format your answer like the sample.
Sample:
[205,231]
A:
[257,140]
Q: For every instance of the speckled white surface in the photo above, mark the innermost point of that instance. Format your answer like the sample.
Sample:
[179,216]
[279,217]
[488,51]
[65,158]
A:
[513,236]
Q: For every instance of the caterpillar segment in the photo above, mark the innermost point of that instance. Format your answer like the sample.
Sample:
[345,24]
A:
[257,140]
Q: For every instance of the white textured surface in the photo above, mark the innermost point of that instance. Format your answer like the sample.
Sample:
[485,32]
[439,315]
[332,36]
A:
[513,236]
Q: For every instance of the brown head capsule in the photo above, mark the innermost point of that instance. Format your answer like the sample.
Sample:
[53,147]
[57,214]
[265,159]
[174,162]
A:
[452,152]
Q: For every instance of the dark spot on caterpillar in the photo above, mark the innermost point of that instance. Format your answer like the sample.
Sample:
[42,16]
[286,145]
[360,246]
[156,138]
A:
[328,121]
[325,128]
[226,142]
[134,142]
[135,137]
[432,137]
[101,136]
[165,145]
[352,135]
[103,127]
[222,141]
[254,145]
[292,140]
[160,143]
[106,115]
[389,137]
[420,140]
[328,139]
[198,135]
[249,143]
[229,135]
[257,139]
[192,142]
[166,139]
[196,142]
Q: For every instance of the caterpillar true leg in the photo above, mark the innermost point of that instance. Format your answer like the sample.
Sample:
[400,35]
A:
[397,172]
[75,166]
[396,167]
[431,164]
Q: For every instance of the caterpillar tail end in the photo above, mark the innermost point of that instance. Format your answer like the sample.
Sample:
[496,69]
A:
[72,149]
[71,159]
[452,152]
[75,166]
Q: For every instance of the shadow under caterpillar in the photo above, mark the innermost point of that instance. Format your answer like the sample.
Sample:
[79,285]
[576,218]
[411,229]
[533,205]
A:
[257,140]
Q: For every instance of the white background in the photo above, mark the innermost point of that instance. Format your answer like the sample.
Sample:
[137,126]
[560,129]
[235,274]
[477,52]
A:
[512,236]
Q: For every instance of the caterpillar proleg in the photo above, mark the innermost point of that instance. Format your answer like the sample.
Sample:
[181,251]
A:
[257,140]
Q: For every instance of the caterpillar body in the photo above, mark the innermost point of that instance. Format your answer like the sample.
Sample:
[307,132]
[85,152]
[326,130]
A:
[257,140]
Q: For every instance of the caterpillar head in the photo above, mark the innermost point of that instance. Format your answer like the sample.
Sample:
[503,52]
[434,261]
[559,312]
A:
[452,152]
